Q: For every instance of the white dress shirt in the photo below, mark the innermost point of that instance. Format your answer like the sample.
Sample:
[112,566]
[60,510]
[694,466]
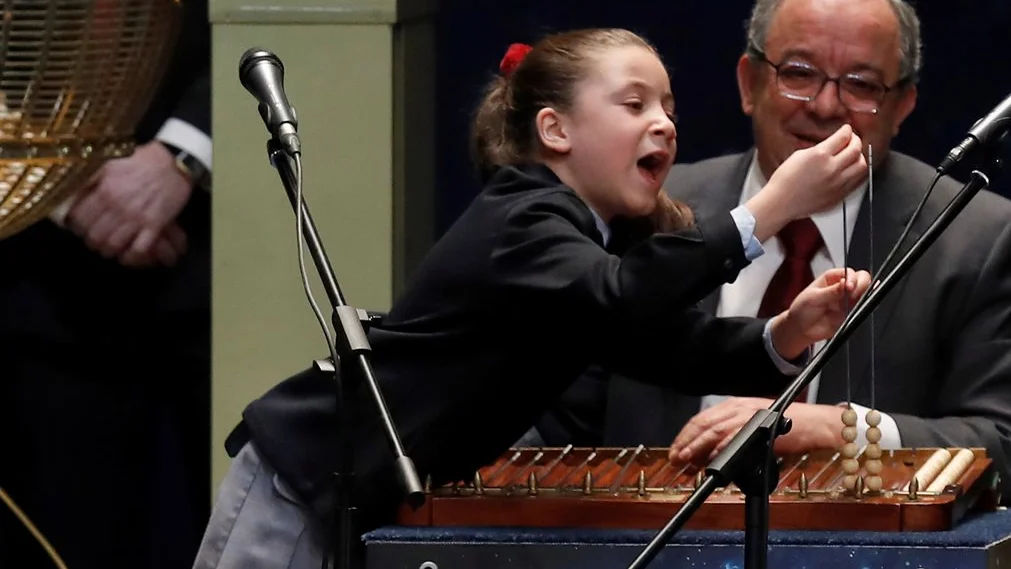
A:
[744,296]
[745,223]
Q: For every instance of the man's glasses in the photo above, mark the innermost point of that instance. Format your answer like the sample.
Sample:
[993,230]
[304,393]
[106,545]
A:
[858,92]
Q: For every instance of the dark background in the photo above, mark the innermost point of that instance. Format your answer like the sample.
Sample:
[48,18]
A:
[965,72]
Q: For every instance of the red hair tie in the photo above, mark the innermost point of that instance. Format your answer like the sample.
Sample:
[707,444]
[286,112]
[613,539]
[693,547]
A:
[514,55]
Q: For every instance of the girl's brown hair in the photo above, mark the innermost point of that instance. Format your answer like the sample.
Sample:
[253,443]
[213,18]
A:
[503,130]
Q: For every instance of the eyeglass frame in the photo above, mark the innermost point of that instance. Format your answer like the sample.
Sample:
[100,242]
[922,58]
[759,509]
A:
[825,79]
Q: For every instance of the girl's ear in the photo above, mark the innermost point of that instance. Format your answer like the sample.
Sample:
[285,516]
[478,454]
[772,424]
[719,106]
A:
[552,130]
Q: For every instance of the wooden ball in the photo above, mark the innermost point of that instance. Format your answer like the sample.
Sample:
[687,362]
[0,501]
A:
[873,483]
[849,434]
[873,451]
[850,482]
[873,466]
[873,418]
[850,465]
[850,450]
[849,417]
[873,435]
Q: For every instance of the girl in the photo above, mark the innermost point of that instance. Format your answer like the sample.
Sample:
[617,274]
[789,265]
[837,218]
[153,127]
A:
[570,256]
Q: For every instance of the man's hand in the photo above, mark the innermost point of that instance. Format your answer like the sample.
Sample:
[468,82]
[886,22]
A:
[129,207]
[710,431]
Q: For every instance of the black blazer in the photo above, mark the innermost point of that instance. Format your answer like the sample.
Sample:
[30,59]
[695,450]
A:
[943,334]
[53,287]
[509,307]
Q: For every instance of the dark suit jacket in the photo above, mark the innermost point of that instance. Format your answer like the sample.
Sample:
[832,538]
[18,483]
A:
[53,288]
[943,334]
[509,307]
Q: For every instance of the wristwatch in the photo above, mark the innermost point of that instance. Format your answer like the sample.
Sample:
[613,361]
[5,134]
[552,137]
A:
[192,168]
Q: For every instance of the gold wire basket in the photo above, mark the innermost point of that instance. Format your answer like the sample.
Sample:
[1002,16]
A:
[76,77]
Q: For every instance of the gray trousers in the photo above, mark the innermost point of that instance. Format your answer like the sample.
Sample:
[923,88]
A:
[258,523]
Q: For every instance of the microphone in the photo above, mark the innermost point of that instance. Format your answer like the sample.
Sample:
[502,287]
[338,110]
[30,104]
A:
[262,74]
[988,129]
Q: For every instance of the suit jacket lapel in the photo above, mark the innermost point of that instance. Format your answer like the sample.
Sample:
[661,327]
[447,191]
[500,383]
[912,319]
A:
[893,207]
[718,192]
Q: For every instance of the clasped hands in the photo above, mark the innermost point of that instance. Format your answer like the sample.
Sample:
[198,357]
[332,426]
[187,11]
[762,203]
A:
[128,208]
[814,315]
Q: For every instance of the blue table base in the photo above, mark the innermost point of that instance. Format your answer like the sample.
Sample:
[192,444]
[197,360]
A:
[980,542]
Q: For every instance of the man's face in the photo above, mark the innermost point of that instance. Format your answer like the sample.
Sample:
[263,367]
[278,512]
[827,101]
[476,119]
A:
[855,40]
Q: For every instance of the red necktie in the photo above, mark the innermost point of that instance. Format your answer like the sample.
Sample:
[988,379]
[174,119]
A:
[801,241]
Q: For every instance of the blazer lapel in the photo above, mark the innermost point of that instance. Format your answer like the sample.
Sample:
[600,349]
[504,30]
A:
[710,190]
[639,413]
[719,191]
[892,210]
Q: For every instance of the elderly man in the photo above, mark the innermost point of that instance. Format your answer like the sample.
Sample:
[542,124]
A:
[941,367]
[105,345]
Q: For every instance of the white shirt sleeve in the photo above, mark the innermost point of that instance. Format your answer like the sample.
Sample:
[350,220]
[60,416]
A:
[183,135]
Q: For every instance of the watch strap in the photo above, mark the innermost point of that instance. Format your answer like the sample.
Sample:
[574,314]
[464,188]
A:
[190,166]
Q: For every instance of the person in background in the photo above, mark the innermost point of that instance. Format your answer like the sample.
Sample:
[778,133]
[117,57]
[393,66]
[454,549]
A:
[941,371]
[105,346]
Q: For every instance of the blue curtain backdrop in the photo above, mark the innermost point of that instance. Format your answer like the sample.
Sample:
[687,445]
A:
[966,72]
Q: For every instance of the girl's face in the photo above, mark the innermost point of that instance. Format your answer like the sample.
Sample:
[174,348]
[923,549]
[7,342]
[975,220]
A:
[620,135]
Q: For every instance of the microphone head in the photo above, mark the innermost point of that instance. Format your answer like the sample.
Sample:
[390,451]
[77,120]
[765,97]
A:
[262,74]
[253,57]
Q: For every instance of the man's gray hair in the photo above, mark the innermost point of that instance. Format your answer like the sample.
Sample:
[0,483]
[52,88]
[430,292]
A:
[910,49]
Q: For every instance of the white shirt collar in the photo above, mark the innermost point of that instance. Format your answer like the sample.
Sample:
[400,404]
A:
[605,231]
[829,222]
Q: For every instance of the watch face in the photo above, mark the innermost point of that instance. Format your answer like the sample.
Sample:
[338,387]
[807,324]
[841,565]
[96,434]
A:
[190,166]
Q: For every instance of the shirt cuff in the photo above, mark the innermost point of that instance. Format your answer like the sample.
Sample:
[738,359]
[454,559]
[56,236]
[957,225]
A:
[183,135]
[745,222]
[890,437]
[786,367]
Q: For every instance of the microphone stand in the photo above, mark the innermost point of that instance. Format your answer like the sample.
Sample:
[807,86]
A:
[749,460]
[351,368]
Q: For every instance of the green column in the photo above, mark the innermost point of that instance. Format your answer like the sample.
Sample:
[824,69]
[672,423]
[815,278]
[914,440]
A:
[360,76]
